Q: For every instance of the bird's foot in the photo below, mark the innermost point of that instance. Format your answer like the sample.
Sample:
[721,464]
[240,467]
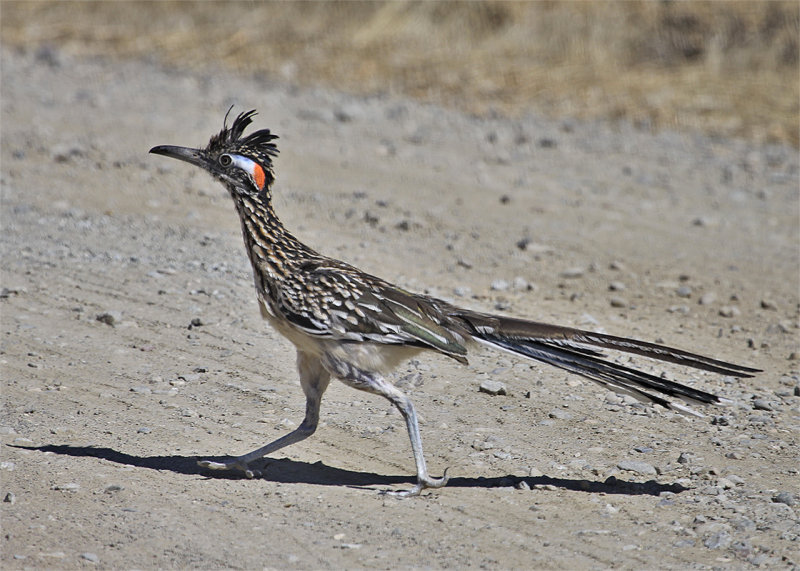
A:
[235,464]
[423,482]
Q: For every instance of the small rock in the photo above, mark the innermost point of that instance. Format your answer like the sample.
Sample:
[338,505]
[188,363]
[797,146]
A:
[547,143]
[10,498]
[685,457]
[8,292]
[90,557]
[707,298]
[684,291]
[704,221]
[559,414]
[725,483]
[617,266]
[572,273]
[493,388]
[499,285]
[784,498]
[682,309]
[762,404]
[523,485]
[719,540]
[638,467]
[70,487]
[617,301]
[521,284]
[729,311]
[616,286]
[144,430]
[769,304]
[109,317]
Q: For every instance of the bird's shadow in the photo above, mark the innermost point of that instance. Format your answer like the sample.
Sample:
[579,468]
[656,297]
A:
[288,471]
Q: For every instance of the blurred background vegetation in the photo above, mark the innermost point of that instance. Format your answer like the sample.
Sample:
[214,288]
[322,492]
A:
[724,68]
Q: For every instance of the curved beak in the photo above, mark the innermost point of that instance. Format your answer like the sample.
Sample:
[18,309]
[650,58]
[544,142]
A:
[192,156]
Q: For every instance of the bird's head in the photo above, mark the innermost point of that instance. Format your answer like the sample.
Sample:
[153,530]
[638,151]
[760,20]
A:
[242,164]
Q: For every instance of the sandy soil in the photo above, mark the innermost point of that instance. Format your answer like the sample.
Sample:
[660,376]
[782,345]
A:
[132,344]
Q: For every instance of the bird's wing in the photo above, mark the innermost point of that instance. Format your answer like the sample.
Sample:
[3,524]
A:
[351,305]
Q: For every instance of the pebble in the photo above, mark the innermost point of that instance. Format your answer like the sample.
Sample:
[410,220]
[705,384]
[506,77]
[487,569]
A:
[109,317]
[637,466]
[684,291]
[769,304]
[762,404]
[90,557]
[572,273]
[10,498]
[493,388]
[725,483]
[784,498]
[521,284]
[729,311]
[70,487]
[560,414]
[707,298]
[617,301]
[719,540]
[682,309]
[618,266]
[499,285]
[616,286]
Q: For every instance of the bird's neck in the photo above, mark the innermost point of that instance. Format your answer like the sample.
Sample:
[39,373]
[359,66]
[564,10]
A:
[273,250]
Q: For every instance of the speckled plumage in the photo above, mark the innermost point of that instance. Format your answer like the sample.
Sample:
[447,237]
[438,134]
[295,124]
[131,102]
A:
[354,326]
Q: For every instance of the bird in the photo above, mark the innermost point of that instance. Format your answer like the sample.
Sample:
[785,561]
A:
[355,327]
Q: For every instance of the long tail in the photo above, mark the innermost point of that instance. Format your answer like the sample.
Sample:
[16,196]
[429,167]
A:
[577,351]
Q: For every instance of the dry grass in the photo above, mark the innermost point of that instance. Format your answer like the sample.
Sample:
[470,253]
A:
[729,68]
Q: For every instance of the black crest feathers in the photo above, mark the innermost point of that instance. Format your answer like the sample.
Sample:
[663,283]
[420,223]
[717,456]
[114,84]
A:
[230,138]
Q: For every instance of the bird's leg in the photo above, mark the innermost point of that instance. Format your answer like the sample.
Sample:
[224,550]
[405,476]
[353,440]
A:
[376,384]
[314,380]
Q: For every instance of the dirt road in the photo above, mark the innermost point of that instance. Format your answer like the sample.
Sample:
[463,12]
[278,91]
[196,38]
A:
[132,344]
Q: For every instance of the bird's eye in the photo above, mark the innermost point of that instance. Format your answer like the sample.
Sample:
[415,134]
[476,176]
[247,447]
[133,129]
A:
[225,160]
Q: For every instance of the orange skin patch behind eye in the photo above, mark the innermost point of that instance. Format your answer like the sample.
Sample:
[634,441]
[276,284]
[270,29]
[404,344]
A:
[259,176]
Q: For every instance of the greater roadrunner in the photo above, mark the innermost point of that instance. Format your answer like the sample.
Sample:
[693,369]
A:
[356,327]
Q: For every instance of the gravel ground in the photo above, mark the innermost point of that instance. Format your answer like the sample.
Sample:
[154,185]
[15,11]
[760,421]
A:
[132,343]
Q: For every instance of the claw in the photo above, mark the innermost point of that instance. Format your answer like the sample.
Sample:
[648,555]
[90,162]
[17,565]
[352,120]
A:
[233,465]
[422,483]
